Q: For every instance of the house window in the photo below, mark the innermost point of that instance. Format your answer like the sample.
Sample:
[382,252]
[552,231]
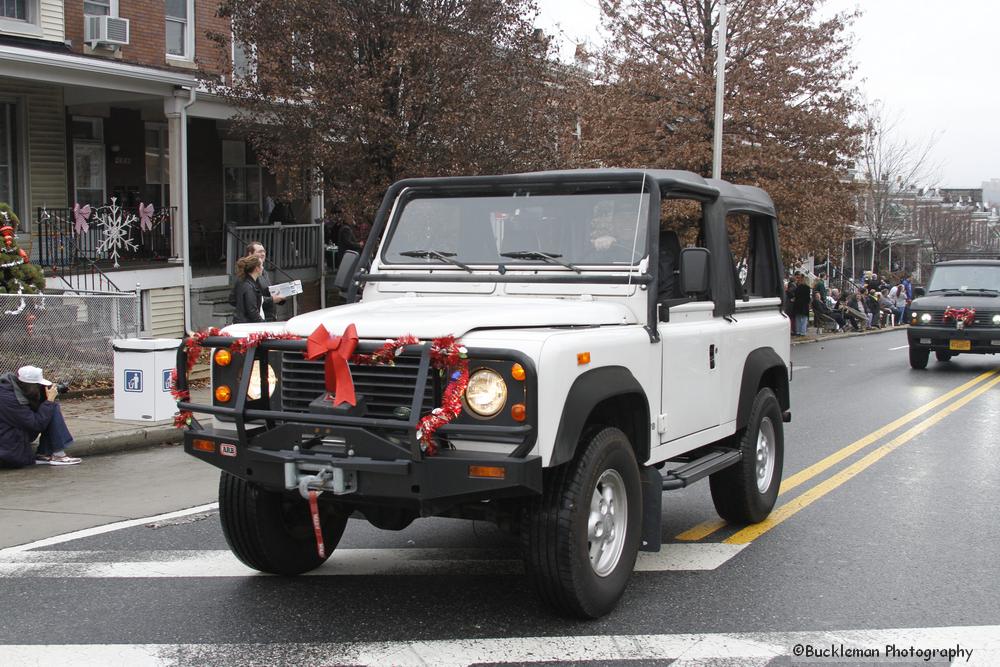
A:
[157,165]
[14,9]
[9,185]
[180,28]
[89,161]
[242,196]
[99,8]
[243,64]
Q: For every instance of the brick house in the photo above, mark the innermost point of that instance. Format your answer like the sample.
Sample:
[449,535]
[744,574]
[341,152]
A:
[103,99]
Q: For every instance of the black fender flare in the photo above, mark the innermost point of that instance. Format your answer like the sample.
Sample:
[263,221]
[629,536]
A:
[763,361]
[589,390]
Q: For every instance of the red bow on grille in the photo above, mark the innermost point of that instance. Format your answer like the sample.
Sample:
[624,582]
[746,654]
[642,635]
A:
[337,350]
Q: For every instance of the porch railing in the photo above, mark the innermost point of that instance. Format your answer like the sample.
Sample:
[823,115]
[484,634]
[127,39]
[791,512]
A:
[106,239]
[288,246]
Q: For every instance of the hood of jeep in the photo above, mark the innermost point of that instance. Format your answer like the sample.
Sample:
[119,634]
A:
[431,317]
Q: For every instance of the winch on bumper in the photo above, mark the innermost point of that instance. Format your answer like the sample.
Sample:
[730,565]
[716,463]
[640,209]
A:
[364,459]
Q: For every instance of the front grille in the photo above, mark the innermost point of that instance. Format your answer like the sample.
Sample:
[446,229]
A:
[385,388]
[984,318]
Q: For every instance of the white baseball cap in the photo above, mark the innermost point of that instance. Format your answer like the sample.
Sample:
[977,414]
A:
[31,374]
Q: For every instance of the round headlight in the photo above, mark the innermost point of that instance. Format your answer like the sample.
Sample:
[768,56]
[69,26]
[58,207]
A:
[996,320]
[253,391]
[486,392]
[925,318]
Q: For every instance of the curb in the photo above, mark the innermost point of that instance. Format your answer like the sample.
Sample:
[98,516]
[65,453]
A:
[139,438]
[850,334]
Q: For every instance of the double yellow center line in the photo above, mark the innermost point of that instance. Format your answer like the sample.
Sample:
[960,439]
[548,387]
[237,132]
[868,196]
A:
[750,533]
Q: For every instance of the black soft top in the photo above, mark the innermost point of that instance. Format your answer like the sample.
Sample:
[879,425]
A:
[744,197]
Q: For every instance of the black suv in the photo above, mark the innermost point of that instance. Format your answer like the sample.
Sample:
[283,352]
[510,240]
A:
[960,313]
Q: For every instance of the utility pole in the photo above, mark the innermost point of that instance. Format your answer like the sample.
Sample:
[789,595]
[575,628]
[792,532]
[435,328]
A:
[720,88]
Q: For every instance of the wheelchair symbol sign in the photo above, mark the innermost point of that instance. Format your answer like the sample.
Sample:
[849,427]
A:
[133,380]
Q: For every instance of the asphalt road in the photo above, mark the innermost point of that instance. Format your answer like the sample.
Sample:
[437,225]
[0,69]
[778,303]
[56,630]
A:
[884,533]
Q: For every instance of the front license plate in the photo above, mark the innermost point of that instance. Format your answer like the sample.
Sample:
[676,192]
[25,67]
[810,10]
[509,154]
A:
[960,345]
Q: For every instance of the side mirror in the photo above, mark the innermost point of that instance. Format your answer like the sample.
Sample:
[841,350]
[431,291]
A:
[918,291]
[345,272]
[695,265]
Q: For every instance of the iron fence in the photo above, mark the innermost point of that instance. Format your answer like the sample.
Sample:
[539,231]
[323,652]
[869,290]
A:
[68,335]
[288,246]
[103,237]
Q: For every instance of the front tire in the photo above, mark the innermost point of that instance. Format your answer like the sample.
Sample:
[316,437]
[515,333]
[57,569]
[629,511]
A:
[272,531]
[581,537]
[919,357]
[746,492]
[943,355]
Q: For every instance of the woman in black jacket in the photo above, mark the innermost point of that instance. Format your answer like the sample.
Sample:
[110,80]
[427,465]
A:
[249,298]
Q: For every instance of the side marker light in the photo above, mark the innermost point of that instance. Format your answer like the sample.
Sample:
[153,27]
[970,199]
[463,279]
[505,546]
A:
[488,472]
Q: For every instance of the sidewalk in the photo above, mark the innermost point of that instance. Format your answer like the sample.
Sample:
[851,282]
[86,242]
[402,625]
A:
[95,430]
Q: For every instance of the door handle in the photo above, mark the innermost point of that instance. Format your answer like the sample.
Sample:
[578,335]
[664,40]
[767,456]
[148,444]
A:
[711,355]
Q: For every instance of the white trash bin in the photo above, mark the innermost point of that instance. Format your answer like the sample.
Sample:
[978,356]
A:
[143,370]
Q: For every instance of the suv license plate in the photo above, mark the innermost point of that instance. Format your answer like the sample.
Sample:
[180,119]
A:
[961,345]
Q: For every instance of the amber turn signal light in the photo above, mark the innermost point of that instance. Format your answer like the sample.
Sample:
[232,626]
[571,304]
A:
[223,357]
[223,393]
[582,358]
[203,446]
[489,472]
[518,412]
[517,372]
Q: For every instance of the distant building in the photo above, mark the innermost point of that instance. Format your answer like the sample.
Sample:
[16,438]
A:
[966,196]
[991,193]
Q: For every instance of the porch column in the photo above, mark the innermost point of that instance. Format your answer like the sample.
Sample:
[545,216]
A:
[173,108]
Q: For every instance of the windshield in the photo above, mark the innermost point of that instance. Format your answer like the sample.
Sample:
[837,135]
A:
[554,230]
[970,277]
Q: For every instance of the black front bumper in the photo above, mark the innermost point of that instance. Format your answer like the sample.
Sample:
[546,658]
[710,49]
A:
[980,341]
[380,459]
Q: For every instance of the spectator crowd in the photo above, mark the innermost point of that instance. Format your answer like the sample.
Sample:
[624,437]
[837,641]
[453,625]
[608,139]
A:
[873,303]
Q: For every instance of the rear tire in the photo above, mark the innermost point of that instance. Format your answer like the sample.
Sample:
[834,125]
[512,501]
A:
[918,358]
[581,537]
[943,355]
[746,492]
[272,531]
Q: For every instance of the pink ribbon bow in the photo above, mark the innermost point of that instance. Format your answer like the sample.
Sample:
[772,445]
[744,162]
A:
[80,215]
[146,216]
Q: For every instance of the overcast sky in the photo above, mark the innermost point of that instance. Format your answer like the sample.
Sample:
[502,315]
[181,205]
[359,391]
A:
[934,62]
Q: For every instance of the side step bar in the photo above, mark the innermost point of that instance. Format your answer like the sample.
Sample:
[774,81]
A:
[692,471]
[654,484]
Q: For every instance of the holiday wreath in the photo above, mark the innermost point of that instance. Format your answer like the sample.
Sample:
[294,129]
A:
[964,315]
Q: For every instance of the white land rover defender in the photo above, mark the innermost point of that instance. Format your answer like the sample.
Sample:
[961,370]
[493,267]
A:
[624,336]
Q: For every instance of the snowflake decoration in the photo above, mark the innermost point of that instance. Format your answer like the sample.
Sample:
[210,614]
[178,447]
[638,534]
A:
[116,225]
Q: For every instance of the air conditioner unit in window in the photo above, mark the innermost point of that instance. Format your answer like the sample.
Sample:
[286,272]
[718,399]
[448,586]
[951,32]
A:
[109,30]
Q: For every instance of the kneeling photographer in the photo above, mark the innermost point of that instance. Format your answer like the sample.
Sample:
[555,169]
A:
[28,409]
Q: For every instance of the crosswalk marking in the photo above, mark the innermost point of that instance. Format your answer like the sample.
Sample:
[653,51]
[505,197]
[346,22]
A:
[685,650]
[344,562]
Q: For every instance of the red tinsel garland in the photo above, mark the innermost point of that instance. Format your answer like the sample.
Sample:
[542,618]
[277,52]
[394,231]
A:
[965,315]
[193,348]
[448,356]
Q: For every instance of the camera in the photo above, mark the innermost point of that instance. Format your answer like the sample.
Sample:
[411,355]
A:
[61,387]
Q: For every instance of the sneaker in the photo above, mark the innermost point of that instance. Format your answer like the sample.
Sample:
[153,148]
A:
[57,460]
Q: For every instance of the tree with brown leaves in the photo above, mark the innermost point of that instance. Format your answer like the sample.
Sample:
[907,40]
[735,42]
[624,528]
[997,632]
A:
[788,104]
[371,91]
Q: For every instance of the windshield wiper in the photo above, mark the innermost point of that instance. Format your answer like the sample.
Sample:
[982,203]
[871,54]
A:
[983,290]
[437,254]
[551,258]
